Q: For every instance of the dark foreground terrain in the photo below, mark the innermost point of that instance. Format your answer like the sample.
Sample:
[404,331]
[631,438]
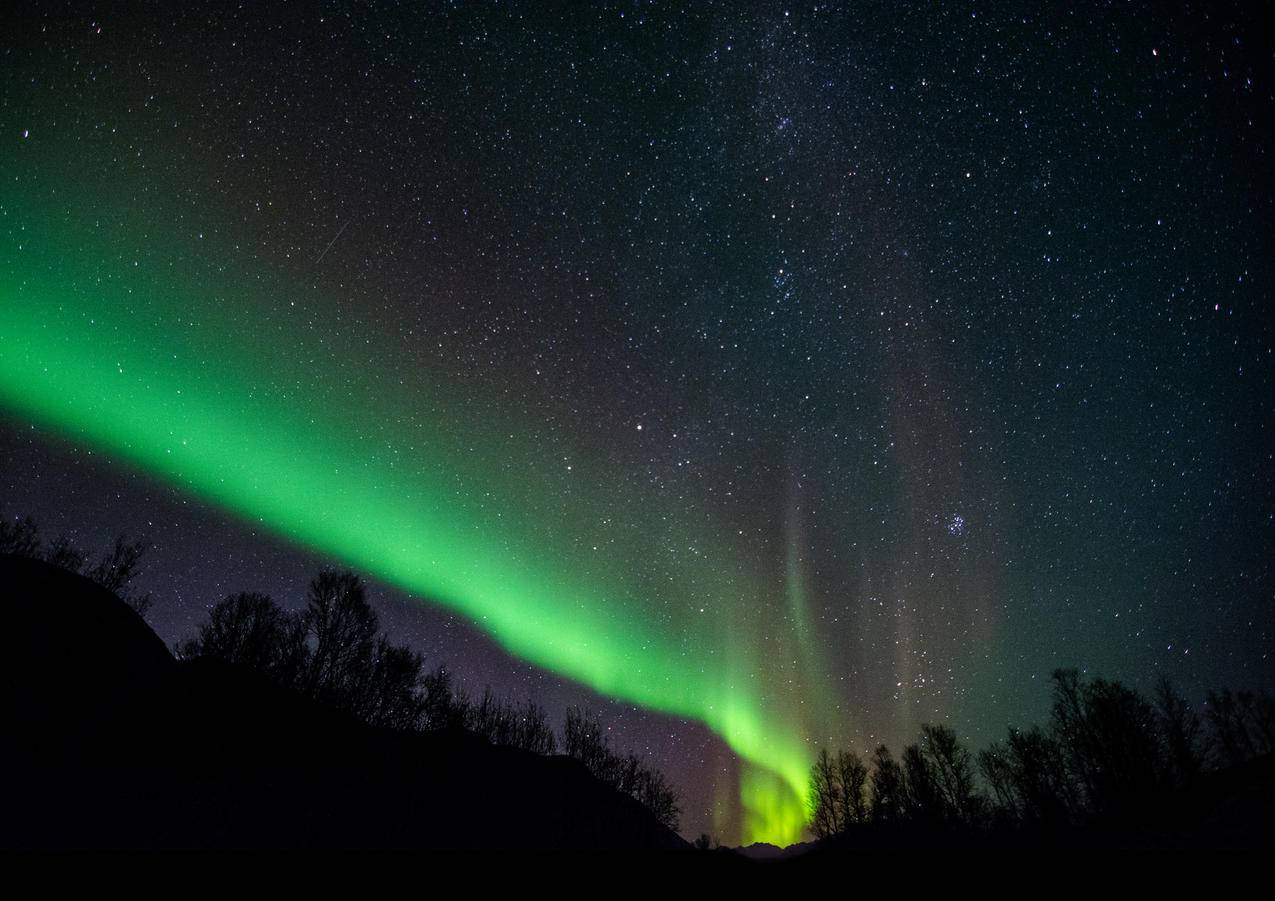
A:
[110,742]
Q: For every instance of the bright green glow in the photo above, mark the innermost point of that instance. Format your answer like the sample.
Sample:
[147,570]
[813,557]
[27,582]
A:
[772,807]
[444,502]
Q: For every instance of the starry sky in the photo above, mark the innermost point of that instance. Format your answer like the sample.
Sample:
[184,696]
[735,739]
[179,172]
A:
[764,377]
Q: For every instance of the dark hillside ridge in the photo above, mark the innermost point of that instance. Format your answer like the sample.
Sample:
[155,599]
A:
[110,742]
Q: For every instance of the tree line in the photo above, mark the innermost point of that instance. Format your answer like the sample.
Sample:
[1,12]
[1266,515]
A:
[1108,756]
[114,570]
[333,652]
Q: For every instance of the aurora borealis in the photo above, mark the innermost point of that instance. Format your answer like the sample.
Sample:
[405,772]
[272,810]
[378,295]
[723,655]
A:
[790,376]
[78,356]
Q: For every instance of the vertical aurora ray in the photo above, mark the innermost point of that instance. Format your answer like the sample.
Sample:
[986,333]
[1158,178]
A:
[180,377]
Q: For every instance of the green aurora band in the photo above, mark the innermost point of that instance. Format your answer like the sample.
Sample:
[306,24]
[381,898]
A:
[159,359]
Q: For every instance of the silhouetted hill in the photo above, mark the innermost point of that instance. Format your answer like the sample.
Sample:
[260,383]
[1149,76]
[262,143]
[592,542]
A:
[111,742]
[767,851]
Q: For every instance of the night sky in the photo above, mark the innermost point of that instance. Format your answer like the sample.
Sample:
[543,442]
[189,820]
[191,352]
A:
[764,377]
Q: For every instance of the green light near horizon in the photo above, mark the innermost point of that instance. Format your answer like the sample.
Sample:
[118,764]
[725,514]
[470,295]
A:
[774,811]
[429,493]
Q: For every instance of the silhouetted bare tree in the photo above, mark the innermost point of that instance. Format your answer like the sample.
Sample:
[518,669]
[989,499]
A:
[837,796]
[386,692]
[20,536]
[923,800]
[654,791]
[114,571]
[342,628]
[534,732]
[853,774]
[584,739]
[444,707]
[952,767]
[502,723]
[327,651]
[1181,730]
[65,555]
[932,785]
[889,796]
[1111,742]
[1112,756]
[1029,778]
[492,719]
[1243,725]
[117,567]
[249,629]
[822,802]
